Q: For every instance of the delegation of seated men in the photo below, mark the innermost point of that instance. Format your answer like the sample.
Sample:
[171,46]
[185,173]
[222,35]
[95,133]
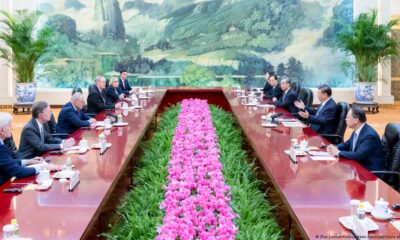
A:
[364,145]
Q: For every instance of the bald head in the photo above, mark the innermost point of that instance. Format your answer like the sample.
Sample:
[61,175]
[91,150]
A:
[101,82]
[78,100]
[5,125]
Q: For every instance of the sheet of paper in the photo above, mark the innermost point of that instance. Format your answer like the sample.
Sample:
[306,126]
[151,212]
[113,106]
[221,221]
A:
[320,153]
[396,224]
[324,158]
[293,124]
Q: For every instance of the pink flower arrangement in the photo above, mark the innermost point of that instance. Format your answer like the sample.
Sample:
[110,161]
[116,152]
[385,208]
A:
[197,200]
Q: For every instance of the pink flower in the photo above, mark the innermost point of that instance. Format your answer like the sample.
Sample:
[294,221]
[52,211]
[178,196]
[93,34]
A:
[197,200]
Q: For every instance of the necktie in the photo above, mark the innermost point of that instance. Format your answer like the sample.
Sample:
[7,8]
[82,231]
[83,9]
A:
[102,97]
[319,109]
[284,95]
[41,134]
[354,141]
[123,84]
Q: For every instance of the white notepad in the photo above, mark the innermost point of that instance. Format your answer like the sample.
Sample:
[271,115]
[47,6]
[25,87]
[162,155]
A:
[319,153]
[293,124]
[324,158]
[396,224]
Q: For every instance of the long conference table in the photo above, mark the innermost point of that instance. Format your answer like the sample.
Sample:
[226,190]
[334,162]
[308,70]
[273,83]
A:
[315,193]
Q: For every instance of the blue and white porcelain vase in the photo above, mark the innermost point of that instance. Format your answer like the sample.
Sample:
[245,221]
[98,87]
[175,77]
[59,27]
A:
[365,92]
[25,92]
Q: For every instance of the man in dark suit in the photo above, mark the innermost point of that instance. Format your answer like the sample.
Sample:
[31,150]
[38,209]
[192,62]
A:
[321,119]
[364,145]
[288,97]
[267,86]
[35,139]
[275,90]
[9,166]
[71,117]
[124,86]
[97,100]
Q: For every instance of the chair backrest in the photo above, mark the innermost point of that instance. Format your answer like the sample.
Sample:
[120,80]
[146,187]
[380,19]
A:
[50,126]
[296,87]
[10,144]
[307,96]
[391,144]
[91,87]
[341,112]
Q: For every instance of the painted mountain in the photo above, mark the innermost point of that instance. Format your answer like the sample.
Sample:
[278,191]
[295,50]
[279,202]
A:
[194,42]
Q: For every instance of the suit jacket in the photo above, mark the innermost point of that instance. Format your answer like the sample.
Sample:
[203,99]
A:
[97,101]
[287,101]
[112,94]
[124,88]
[266,88]
[323,123]
[9,167]
[274,92]
[70,120]
[368,150]
[10,144]
[31,144]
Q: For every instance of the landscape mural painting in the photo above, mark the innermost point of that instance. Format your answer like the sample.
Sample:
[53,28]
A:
[194,42]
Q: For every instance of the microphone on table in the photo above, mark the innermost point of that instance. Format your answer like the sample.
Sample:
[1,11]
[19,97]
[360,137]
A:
[113,116]
[273,116]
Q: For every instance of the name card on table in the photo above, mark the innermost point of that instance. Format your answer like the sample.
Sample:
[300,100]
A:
[74,181]
[293,155]
[359,230]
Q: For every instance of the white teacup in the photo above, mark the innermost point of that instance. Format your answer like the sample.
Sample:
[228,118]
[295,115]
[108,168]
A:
[381,207]
[83,144]
[107,122]
[43,176]
[304,145]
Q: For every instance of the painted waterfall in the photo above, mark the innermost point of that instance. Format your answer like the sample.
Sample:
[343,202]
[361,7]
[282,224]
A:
[194,42]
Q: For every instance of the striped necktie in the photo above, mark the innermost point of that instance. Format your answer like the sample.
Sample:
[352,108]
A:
[355,138]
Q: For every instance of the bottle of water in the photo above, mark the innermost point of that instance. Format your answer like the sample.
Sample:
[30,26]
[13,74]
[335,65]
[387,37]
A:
[135,100]
[68,164]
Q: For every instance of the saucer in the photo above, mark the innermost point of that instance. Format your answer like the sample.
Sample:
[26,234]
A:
[385,216]
[46,184]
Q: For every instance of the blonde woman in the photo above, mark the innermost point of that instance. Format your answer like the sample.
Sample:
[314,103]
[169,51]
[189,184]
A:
[113,93]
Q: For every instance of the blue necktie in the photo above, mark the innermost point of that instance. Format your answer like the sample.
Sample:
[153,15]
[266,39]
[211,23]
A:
[319,110]
[284,95]
[354,141]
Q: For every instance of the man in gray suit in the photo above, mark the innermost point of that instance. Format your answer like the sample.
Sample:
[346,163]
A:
[35,139]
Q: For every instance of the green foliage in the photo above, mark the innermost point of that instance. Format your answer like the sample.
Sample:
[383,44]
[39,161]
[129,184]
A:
[196,75]
[256,220]
[140,211]
[261,25]
[24,47]
[369,43]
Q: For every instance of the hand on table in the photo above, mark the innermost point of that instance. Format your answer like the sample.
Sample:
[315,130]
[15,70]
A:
[304,114]
[333,150]
[34,160]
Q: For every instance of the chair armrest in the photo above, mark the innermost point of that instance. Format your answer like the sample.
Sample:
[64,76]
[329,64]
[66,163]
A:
[333,138]
[391,182]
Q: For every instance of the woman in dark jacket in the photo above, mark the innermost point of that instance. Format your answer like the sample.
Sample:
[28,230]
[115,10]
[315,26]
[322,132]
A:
[112,92]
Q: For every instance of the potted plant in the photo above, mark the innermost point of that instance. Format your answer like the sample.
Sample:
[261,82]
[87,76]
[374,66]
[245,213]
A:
[370,44]
[24,46]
